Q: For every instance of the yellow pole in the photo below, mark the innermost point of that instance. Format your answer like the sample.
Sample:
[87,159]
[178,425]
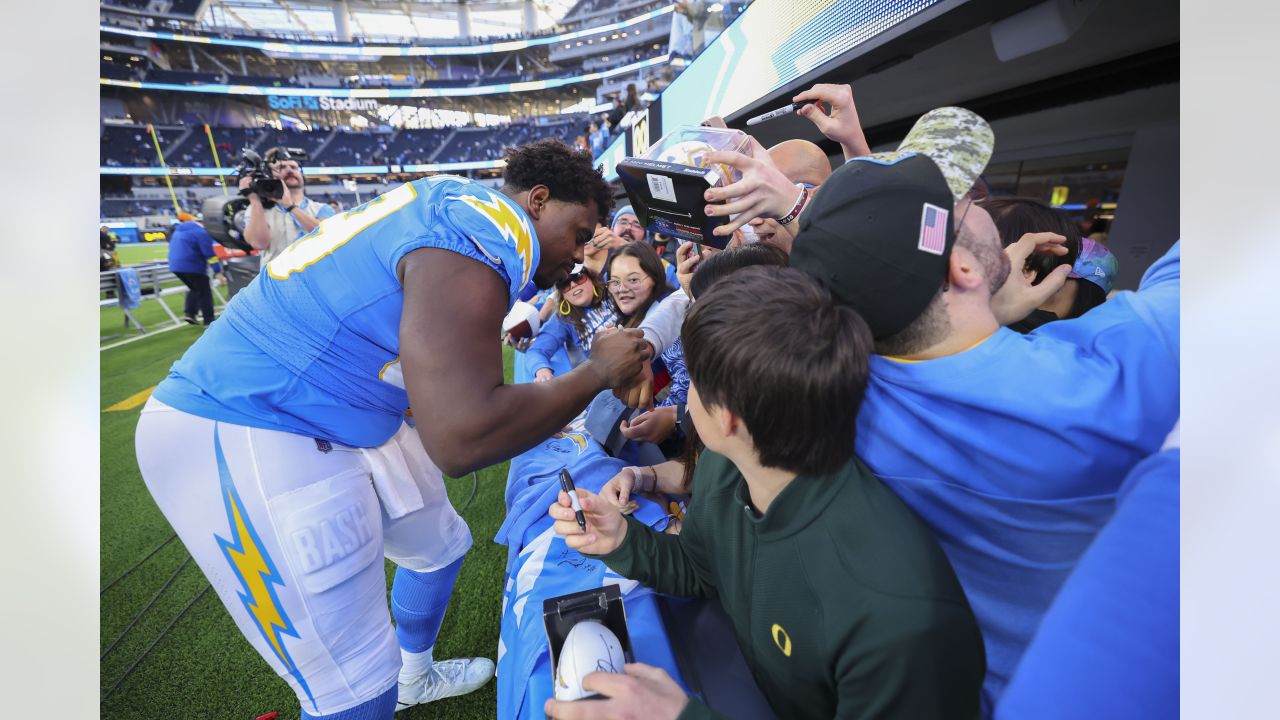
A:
[167,181]
[216,161]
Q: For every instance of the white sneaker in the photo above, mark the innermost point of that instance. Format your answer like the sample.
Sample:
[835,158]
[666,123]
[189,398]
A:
[446,678]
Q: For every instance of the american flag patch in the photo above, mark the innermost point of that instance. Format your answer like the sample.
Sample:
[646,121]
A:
[933,229]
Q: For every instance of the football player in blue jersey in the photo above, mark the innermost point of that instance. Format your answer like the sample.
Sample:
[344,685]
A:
[278,446]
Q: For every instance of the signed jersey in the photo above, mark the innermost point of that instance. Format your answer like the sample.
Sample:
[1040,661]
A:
[312,345]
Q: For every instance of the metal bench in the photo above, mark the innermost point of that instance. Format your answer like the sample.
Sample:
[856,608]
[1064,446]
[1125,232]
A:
[152,277]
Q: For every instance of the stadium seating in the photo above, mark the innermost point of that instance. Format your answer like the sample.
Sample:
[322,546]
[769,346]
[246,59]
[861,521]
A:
[131,146]
[351,148]
[416,146]
[194,151]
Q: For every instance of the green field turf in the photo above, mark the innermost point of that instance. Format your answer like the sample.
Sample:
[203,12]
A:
[196,664]
[137,253]
[149,313]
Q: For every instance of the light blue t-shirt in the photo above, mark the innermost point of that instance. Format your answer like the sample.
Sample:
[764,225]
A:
[1012,451]
[311,346]
[1108,647]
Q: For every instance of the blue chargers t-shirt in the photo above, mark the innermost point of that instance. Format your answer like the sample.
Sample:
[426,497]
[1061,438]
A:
[1012,452]
[311,346]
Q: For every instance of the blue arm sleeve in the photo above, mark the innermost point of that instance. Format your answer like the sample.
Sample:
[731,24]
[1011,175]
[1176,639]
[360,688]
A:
[679,389]
[325,210]
[555,334]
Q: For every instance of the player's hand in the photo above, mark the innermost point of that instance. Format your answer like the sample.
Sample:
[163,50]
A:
[842,125]
[653,426]
[617,492]
[715,121]
[763,190]
[606,527]
[618,357]
[1018,297]
[543,375]
[640,692]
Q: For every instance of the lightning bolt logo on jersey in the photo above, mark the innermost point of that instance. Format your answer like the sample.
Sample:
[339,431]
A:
[312,345]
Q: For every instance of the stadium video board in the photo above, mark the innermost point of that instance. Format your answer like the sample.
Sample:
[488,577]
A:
[773,43]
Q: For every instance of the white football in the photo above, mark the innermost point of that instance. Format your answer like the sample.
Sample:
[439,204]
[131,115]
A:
[522,321]
[589,646]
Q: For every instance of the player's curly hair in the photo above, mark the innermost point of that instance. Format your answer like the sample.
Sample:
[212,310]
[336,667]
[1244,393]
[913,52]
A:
[566,172]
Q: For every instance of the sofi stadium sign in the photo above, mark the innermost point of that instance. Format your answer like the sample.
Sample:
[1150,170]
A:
[286,102]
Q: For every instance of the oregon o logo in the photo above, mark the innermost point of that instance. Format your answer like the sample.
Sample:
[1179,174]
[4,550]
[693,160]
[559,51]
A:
[781,639]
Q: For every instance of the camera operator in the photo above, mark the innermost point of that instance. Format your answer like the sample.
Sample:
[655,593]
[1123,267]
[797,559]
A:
[272,229]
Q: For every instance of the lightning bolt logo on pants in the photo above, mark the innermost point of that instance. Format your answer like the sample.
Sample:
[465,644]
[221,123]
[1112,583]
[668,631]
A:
[257,574]
[510,225]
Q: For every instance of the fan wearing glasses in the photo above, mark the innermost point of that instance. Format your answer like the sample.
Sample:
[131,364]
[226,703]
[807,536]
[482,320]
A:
[637,281]
[584,309]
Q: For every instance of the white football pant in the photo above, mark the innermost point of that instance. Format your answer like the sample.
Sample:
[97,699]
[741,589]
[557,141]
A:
[291,533]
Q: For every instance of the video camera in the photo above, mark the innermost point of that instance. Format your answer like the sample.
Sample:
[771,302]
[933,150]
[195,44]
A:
[224,218]
[265,185]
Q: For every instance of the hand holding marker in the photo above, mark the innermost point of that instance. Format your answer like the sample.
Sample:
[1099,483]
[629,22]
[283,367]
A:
[566,484]
[784,110]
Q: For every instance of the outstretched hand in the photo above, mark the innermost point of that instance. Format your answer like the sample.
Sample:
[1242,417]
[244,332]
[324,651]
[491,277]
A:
[842,125]
[653,426]
[1017,298]
[639,394]
[763,190]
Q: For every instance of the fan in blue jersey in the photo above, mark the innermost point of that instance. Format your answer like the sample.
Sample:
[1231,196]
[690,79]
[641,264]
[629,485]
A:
[278,446]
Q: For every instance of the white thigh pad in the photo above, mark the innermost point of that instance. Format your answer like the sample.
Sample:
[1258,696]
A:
[330,530]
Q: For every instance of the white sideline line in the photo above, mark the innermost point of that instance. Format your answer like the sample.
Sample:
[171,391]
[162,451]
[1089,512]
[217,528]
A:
[150,333]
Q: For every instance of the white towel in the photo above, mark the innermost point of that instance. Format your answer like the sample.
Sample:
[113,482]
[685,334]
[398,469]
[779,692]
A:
[392,479]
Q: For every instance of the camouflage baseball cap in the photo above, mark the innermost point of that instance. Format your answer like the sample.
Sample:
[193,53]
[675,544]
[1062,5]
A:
[958,141]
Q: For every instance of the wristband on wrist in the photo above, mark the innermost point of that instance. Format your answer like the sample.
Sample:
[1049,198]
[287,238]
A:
[644,482]
[795,210]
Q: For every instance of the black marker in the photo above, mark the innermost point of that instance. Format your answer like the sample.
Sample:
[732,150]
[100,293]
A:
[784,110]
[566,484]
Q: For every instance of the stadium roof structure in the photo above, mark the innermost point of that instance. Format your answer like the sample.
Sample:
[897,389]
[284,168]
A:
[366,19]
[365,50]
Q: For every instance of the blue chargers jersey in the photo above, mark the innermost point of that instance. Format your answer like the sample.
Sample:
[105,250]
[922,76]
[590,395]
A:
[311,346]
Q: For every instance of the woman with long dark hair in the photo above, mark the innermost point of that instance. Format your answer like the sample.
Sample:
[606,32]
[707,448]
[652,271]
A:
[584,309]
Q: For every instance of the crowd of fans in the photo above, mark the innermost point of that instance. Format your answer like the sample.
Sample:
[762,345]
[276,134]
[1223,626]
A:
[953,439]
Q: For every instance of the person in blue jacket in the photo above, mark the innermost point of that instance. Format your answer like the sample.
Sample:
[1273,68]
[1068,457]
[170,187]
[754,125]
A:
[190,248]
[584,309]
